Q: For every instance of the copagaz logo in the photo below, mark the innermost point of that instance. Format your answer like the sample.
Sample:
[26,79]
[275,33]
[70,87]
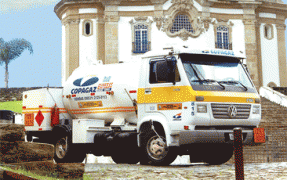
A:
[177,117]
[83,82]
[86,81]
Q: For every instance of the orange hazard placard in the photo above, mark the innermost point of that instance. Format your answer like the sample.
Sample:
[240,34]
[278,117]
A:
[90,104]
[169,106]
[29,119]
[259,135]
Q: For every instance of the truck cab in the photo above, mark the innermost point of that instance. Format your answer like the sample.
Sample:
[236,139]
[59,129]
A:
[196,98]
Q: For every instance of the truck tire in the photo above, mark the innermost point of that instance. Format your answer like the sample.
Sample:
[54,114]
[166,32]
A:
[218,154]
[126,158]
[29,138]
[65,153]
[196,152]
[155,152]
[127,149]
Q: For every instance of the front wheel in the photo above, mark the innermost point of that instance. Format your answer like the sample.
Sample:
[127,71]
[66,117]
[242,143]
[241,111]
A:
[155,151]
[65,153]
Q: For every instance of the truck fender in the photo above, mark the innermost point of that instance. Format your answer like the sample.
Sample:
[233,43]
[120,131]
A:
[159,118]
[61,130]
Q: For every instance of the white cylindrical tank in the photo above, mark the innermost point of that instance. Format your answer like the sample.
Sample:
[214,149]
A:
[86,92]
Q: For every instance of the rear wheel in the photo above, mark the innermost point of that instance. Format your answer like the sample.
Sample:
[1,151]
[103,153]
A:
[29,138]
[65,153]
[155,151]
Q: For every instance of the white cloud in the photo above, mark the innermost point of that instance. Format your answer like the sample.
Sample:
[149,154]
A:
[8,6]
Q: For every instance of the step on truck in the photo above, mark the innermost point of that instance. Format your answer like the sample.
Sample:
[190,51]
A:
[167,103]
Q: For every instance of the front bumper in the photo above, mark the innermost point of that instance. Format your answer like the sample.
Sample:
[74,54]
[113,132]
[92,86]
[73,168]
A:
[214,136]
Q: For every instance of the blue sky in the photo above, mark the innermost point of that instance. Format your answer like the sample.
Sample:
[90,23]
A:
[35,21]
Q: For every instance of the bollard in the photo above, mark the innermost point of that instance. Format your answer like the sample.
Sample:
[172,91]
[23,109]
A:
[239,168]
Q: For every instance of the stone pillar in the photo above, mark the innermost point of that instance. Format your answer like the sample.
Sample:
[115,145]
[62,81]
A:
[206,14]
[101,38]
[111,31]
[250,27]
[72,45]
[282,51]
[158,16]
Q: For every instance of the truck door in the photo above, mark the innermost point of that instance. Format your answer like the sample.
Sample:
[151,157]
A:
[161,95]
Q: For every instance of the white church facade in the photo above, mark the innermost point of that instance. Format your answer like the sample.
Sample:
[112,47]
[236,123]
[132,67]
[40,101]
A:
[118,30]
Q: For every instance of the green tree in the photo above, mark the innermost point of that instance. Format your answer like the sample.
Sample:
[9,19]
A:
[11,50]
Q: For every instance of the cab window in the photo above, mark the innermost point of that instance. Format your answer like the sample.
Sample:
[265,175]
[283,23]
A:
[152,75]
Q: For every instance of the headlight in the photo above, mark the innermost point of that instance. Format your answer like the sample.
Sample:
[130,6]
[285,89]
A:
[256,109]
[201,108]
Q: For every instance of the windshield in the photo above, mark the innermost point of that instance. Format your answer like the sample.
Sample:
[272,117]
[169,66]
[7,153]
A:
[224,73]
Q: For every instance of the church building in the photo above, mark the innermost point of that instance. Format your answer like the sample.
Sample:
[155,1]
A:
[119,30]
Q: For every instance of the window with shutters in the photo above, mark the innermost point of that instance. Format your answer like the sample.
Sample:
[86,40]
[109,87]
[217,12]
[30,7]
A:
[141,35]
[223,34]
[141,43]
[222,37]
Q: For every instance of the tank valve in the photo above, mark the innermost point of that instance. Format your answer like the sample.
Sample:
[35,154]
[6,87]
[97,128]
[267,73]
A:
[110,92]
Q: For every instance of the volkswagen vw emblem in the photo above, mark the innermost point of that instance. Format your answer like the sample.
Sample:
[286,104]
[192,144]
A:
[232,111]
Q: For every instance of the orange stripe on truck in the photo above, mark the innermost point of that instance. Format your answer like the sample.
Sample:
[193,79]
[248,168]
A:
[96,112]
[86,109]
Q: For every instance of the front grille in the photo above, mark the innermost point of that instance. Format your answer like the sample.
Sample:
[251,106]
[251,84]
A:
[220,111]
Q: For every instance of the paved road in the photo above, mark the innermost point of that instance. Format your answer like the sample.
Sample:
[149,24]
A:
[185,171]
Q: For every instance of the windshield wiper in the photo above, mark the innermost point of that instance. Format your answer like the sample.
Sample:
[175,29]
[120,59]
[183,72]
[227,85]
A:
[209,80]
[195,72]
[235,82]
[203,80]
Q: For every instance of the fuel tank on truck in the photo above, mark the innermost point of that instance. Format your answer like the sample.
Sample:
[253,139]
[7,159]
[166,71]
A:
[98,91]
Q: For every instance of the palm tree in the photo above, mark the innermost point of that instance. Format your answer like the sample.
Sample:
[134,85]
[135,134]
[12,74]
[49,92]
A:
[10,51]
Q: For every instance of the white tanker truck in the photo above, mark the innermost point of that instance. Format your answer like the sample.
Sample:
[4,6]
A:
[169,103]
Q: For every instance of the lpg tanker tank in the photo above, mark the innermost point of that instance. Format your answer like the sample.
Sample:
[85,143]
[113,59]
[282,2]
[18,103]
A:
[103,92]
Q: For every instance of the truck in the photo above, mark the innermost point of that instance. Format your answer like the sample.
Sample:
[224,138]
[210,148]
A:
[176,101]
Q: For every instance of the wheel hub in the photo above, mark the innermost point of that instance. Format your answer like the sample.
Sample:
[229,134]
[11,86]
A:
[61,149]
[157,148]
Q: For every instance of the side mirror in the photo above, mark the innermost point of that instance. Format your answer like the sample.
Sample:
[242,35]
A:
[165,70]
[161,72]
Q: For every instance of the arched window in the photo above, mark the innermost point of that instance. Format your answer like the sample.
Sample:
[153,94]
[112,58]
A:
[141,43]
[268,31]
[87,28]
[222,36]
[181,21]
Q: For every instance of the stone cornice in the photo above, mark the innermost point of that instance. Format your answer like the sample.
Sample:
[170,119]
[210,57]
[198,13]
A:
[111,18]
[110,2]
[70,21]
[250,22]
[281,26]
[157,1]
[249,5]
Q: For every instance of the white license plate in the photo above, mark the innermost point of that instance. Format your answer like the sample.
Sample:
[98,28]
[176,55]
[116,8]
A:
[231,136]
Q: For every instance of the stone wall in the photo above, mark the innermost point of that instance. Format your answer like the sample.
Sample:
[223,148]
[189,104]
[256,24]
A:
[274,121]
[35,157]
[14,94]
[282,90]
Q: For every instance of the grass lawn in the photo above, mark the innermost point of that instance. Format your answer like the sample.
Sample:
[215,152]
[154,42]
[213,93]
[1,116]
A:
[15,106]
